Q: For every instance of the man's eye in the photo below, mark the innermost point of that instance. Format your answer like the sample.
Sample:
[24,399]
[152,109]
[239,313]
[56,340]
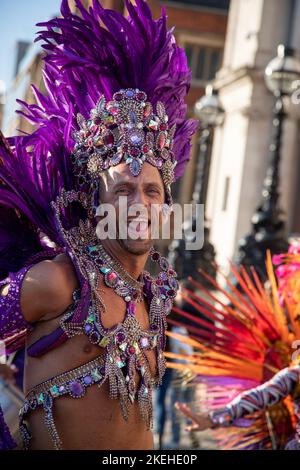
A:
[154,193]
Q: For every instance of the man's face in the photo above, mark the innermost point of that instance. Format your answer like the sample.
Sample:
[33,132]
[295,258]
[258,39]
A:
[145,189]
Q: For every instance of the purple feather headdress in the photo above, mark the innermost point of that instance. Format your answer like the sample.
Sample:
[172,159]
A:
[86,57]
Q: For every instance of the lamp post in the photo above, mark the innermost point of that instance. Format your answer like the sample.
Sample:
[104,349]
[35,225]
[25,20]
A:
[268,230]
[187,262]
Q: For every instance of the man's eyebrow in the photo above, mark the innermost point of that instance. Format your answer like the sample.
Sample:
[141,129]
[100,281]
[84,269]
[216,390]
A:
[154,184]
[123,183]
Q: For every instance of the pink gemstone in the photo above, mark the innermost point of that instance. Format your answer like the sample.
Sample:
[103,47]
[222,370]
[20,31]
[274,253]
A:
[162,127]
[111,276]
[131,350]
[145,149]
[114,111]
[161,141]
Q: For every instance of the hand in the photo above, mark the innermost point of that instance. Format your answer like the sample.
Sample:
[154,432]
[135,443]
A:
[200,421]
[8,372]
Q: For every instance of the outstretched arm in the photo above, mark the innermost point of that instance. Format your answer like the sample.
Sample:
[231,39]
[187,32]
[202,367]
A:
[259,398]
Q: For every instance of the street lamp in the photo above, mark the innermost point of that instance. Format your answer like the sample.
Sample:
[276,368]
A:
[268,230]
[209,111]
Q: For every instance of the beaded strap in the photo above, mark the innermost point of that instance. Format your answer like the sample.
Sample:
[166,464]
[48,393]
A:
[73,383]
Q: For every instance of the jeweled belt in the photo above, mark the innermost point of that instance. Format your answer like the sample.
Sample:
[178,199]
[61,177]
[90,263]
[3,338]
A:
[72,383]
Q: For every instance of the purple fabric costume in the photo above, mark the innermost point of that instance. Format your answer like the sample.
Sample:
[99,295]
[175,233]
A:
[83,61]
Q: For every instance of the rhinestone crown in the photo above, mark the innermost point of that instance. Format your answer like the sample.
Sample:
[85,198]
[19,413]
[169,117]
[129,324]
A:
[125,129]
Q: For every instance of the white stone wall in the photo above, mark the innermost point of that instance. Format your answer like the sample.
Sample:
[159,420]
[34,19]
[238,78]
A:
[240,148]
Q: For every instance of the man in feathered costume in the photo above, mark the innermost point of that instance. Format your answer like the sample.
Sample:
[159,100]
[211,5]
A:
[249,358]
[111,123]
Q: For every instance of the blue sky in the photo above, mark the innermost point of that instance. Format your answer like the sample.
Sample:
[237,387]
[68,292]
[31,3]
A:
[17,22]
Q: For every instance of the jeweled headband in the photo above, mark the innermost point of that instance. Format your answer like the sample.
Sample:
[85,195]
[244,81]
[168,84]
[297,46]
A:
[126,129]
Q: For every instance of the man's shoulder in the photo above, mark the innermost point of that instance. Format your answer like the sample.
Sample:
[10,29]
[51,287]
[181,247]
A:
[55,273]
[48,287]
[56,268]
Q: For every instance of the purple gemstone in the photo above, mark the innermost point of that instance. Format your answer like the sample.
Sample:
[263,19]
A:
[102,371]
[133,117]
[135,138]
[173,283]
[87,380]
[135,167]
[88,328]
[164,264]
[120,337]
[76,389]
[131,308]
